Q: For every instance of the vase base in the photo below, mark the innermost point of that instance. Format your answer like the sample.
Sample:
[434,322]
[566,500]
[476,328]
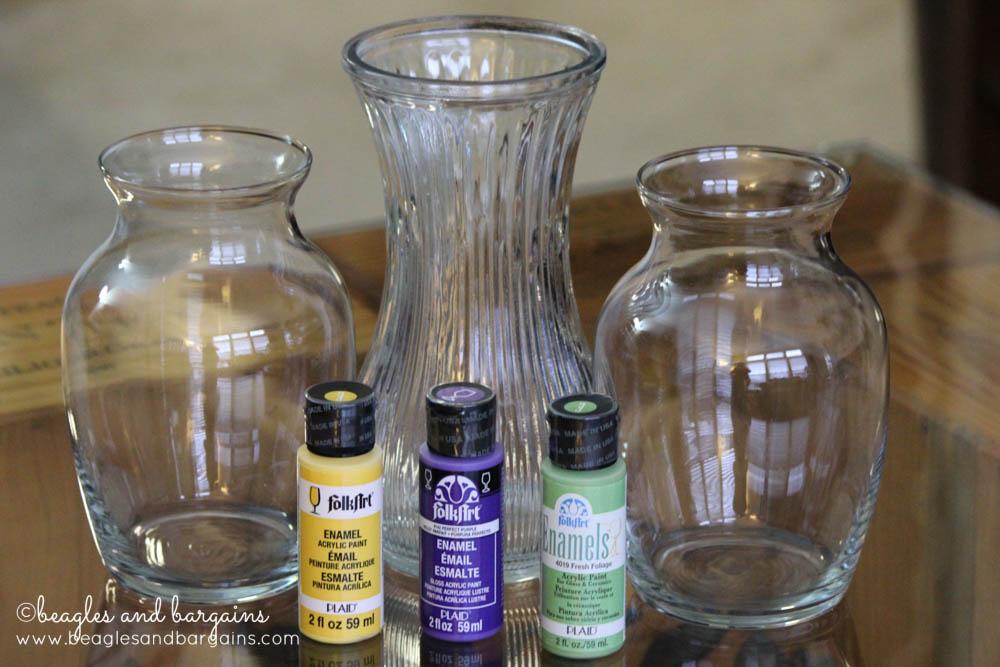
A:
[201,595]
[209,555]
[739,577]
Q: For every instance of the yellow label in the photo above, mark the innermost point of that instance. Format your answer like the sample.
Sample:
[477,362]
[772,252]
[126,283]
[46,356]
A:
[340,395]
[340,550]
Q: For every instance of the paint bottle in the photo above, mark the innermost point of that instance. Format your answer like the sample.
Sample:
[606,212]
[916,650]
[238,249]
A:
[583,530]
[461,522]
[340,515]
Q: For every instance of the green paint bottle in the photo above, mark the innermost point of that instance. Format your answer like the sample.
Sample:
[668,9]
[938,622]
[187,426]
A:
[583,530]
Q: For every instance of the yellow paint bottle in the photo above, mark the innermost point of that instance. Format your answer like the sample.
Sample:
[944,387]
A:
[340,516]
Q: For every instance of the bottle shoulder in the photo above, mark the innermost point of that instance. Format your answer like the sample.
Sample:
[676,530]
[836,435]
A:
[435,460]
[613,474]
[343,470]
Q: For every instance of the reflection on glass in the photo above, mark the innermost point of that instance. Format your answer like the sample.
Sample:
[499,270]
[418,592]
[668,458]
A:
[186,169]
[227,253]
[182,135]
[484,653]
[367,653]
[654,640]
[517,644]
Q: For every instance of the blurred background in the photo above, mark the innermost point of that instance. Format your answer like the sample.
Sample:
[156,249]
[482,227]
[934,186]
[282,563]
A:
[75,76]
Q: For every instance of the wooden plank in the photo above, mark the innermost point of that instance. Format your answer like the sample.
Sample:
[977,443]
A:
[944,356]
[985,610]
[46,547]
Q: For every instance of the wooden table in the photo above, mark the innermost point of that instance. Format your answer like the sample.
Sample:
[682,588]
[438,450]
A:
[927,591]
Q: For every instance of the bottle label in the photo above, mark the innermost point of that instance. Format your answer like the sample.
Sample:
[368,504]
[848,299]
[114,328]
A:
[340,562]
[583,569]
[461,551]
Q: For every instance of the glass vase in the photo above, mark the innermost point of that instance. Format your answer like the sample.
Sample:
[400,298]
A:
[188,340]
[476,122]
[750,364]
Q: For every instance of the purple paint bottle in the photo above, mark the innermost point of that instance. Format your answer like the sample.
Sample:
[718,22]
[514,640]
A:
[461,515]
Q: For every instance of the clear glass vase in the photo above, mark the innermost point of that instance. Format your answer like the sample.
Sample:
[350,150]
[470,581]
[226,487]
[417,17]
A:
[188,340]
[476,122]
[750,364]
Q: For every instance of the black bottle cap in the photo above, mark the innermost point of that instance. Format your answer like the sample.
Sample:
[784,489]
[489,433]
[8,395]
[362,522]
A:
[461,419]
[583,431]
[340,418]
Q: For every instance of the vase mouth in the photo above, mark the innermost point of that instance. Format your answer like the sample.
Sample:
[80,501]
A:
[205,160]
[741,182]
[478,57]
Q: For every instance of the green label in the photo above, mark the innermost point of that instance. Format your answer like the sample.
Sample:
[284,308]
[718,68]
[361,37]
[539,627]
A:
[583,568]
[580,407]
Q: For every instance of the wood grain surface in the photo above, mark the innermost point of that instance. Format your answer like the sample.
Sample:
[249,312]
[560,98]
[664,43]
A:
[927,591]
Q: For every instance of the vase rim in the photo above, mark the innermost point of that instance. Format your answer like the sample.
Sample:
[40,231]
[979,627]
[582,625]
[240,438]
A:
[259,160]
[593,57]
[829,185]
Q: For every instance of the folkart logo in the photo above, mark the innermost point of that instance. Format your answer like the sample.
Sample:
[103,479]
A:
[340,503]
[456,500]
[350,503]
[574,512]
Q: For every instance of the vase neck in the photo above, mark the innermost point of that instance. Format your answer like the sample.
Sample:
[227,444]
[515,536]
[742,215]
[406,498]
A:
[675,233]
[740,196]
[146,212]
[479,187]
[198,178]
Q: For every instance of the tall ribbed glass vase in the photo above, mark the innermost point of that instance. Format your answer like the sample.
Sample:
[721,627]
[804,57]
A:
[477,121]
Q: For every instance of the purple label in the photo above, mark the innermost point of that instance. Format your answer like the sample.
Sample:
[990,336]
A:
[460,393]
[461,552]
